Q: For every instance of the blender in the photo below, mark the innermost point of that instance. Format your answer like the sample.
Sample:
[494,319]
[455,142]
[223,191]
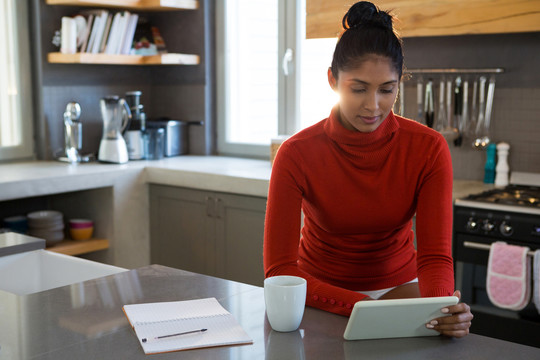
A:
[116,117]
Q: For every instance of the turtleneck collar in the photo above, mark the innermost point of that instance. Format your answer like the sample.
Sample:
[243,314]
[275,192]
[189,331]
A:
[370,148]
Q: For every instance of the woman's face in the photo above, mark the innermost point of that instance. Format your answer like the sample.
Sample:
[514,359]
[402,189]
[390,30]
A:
[367,93]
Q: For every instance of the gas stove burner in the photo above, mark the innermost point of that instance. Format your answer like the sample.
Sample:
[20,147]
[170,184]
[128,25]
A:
[516,201]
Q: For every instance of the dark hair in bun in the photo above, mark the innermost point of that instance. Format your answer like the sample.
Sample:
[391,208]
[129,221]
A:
[367,30]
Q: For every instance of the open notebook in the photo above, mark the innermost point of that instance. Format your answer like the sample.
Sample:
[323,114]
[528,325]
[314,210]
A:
[200,323]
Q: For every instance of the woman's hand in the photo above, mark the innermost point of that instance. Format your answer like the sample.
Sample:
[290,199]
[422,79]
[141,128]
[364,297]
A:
[457,324]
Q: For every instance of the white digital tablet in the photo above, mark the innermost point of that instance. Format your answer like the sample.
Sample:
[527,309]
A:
[379,319]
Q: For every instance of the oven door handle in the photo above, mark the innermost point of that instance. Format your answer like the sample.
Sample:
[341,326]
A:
[479,246]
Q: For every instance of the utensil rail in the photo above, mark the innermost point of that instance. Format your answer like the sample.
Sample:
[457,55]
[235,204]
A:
[456,71]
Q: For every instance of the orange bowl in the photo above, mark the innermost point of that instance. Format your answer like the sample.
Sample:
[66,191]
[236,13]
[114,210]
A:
[82,233]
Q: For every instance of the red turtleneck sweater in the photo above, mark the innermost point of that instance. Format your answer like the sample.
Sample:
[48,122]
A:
[359,193]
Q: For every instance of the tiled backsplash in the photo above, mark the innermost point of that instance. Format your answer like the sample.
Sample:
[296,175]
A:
[181,103]
[516,106]
[515,120]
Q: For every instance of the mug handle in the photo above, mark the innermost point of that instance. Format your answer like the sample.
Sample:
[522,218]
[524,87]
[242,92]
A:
[126,118]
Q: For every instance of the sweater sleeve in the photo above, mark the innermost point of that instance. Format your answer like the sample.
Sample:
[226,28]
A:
[434,224]
[282,235]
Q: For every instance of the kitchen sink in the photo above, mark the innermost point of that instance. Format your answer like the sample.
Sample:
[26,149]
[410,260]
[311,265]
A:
[39,270]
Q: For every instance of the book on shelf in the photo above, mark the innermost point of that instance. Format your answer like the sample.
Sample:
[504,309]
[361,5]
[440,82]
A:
[100,29]
[128,43]
[122,28]
[182,325]
[89,23]
[113,35]
[106,34]
[93,33]
[119,33]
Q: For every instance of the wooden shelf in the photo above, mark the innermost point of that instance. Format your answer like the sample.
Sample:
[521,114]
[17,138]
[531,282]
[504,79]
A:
[78,247]
[104,59]
[439,18]
[141,5]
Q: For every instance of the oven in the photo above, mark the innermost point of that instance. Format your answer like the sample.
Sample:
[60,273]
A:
[512,215]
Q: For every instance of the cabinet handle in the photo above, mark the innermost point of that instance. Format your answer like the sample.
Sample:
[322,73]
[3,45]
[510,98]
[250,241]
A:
[217,202]
[210,205]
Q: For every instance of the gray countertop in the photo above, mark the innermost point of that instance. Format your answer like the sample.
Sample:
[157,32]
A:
[85,321]
[216,173]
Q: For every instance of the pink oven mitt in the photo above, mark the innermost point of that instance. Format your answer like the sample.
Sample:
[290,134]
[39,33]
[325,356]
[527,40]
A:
[508,278]
[536,276]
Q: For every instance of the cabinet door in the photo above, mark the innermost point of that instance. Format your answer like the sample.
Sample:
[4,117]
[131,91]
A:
[239,242]
[182,233]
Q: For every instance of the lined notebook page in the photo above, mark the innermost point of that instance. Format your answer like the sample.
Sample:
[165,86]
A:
[158,319]
[164,311]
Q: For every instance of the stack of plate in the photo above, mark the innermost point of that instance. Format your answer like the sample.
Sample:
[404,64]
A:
[48,225]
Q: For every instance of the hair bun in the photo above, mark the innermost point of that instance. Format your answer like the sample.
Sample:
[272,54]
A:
[365,13]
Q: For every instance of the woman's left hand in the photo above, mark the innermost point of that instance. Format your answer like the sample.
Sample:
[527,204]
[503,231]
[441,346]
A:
[455,325]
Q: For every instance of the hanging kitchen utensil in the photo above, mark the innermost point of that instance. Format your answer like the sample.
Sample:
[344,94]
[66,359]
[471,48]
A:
[480,126]
[458,111]
[471,125]
[419,94]
[449,132]
[449,103]
[489,107]
[440,121]
[401,98]
[464,112]
[428,104]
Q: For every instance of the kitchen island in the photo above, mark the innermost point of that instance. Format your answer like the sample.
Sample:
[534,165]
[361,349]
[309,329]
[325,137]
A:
[85,321]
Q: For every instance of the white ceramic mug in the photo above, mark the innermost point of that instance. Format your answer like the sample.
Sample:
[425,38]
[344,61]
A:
[285,298]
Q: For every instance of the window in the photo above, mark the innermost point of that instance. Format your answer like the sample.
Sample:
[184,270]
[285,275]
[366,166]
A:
[271,80]
[15,88]
[316,96]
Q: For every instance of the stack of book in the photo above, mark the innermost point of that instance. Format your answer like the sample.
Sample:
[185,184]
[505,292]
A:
[108,33]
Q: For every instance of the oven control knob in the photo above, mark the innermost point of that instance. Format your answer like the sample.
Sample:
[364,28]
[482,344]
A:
[472,224]
[506,229]
[487,226]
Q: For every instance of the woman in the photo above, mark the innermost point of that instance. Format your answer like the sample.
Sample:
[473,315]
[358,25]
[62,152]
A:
[359,177]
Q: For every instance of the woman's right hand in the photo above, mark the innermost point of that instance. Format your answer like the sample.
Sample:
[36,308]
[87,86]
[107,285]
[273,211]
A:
[457,324]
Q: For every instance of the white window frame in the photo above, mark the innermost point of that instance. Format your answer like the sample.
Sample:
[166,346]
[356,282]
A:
[291,31]
[17,54]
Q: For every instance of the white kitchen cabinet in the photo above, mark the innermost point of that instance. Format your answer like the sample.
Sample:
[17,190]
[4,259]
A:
[213,233]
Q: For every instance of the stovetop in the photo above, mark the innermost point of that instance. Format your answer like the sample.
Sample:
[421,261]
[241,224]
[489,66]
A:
[514,195]
[511,199]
